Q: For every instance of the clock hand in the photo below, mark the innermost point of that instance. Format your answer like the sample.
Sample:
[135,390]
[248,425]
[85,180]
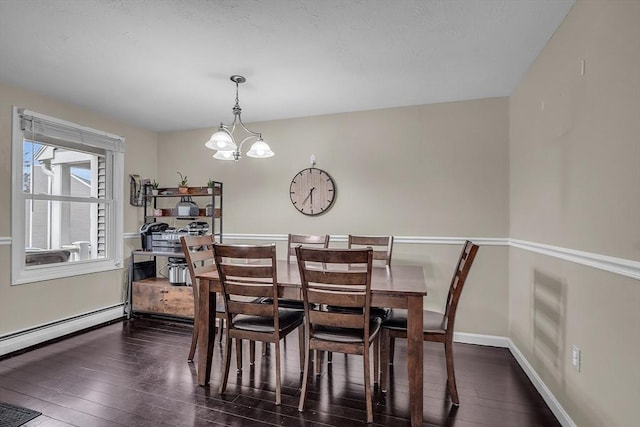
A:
[309,195]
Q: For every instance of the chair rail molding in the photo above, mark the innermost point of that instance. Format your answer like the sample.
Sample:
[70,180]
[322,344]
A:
[620,266]
[5,241]
[625,267]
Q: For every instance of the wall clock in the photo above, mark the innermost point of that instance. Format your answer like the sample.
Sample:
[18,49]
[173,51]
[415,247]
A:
[312,191]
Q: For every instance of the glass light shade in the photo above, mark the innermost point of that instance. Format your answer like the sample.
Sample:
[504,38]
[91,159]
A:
[260,149]
[221,140]
[223,155]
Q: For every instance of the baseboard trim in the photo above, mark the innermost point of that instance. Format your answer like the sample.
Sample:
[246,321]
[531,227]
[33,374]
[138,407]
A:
[542,388]
[504,342]
[40,334]
[488,340]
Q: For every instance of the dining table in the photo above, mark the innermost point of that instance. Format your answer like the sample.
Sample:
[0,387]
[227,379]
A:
[394,286]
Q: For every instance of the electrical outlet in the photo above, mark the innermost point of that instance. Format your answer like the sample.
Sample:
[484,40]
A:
[576,358]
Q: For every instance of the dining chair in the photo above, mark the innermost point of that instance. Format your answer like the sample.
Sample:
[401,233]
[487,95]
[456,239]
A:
[341,278]
[437,327]
[294,240]
[248,274]
[307,240]
[198,252]
[382,249]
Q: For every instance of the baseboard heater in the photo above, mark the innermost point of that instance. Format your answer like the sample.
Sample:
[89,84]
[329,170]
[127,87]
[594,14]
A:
[38,335]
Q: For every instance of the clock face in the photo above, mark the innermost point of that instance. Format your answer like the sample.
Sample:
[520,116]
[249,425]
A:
[312,191]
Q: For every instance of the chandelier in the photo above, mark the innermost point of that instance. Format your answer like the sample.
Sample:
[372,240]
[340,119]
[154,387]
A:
[223,142]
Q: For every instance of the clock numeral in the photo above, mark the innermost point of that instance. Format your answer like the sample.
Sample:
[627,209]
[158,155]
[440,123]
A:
[329,189]
[292,192]
[328,201]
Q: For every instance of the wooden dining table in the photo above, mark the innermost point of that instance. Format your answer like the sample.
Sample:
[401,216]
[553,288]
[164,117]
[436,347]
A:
[395,286]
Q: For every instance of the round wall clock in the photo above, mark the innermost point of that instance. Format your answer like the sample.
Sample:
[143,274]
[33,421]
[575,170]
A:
[312,191]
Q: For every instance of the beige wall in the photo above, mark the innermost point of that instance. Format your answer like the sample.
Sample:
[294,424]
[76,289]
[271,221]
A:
[33,304]
[575,183]
[431,170]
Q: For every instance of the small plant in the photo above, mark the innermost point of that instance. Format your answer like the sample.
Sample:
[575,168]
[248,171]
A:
[183,185]
[154,188]
[184,181]
[210,185]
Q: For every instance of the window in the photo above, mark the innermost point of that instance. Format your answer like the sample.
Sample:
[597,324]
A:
[66,198]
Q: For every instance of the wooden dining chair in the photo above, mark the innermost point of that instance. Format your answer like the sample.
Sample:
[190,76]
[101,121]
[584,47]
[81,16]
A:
[198,252]
[437,327]
[341,278]
[248,274]
[382,249]
[321,241]
[294,240]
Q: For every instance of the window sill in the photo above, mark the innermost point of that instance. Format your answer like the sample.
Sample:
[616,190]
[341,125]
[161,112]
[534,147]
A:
[63,270]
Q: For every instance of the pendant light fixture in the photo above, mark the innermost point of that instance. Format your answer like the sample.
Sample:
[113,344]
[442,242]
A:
[224,143]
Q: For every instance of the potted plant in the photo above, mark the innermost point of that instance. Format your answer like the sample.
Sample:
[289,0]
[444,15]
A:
[210,185]
[154,188]
[183,185]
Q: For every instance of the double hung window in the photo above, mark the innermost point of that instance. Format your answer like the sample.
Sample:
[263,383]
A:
[67,197]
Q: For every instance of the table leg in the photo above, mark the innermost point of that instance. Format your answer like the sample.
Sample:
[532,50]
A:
[415,358]
[207,332]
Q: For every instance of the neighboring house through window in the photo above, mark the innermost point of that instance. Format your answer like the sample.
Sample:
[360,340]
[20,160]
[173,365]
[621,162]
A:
[67,198]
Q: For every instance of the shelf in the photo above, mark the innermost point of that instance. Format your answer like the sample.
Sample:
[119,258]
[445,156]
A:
[171,212]
[191,191]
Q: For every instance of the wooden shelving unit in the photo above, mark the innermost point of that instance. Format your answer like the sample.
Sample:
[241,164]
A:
[149,294]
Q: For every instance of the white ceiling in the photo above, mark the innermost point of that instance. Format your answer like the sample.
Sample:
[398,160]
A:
[165,65]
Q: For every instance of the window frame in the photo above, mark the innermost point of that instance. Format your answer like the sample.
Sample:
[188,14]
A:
[114,156]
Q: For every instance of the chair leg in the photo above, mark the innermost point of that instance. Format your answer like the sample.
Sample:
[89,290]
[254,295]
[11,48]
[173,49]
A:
[227,363]
[252,352]
[384,343]
[278,385]
[451,375]
[317,355]
[367,386]
[221,323]
[329,357]
[238,354]
[376,361]
[301,338]
[392,349]
[194,341]
[305,377]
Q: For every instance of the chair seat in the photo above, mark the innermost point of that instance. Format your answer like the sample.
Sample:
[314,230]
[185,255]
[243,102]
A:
[345,335]
[379,312]
[293,304]
[286,317]
[432,321]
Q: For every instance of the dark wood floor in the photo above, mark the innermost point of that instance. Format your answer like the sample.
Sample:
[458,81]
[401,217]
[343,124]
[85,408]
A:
[135,373]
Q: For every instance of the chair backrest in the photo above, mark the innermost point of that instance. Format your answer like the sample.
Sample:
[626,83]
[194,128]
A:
[248,274]
[320,241]
[344,281]
[460,274]
[382,246]
[198,252]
